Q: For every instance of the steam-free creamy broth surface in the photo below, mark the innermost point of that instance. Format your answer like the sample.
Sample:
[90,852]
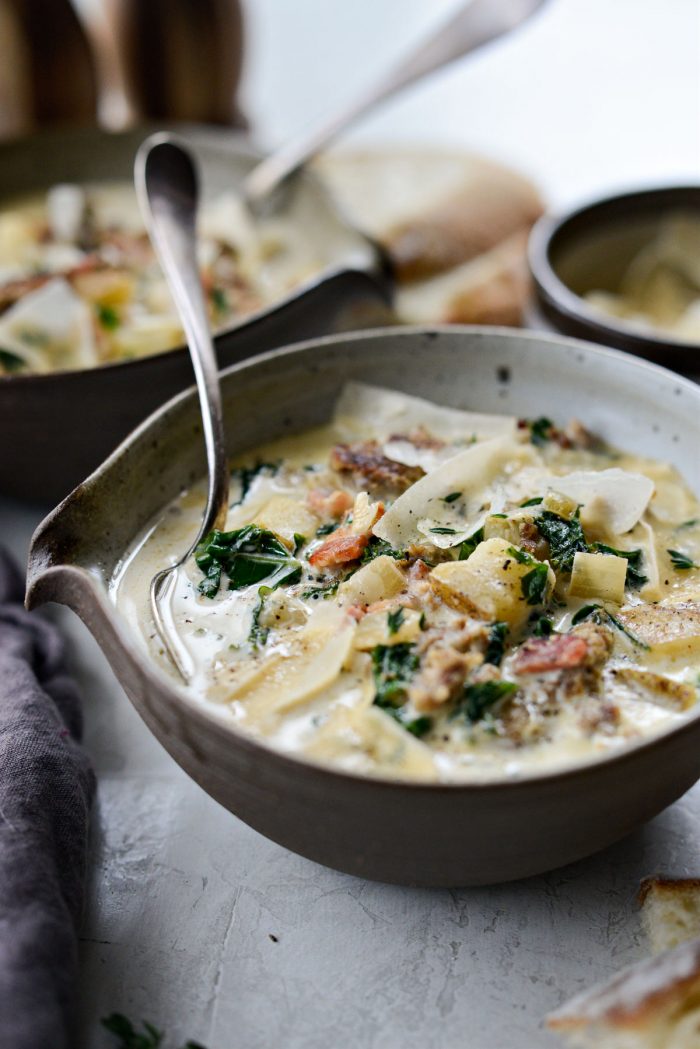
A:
[424,593]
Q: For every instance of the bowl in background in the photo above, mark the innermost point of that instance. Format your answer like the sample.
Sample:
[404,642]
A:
[590,249]
[57,427]
[408,833]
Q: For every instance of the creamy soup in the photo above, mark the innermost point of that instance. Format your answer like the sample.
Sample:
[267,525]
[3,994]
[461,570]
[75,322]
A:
[432,594]
[80,286]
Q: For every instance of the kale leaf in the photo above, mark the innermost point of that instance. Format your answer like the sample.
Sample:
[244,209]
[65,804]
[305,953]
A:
[635,577]
[245,475]
[478,698]
[534,583]
[393,666]
[378,547]
[395,619]
[247,555]
[496,643]
[468,546]
[565,538]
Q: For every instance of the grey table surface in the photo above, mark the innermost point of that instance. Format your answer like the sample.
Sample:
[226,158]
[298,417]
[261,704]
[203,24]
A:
[194,921]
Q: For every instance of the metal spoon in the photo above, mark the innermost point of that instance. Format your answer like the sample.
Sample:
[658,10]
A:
[168,191]
[472,26]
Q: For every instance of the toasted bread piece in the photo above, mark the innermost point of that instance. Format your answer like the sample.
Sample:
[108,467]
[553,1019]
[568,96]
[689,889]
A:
[670,910]
[455,226]
[654,1004]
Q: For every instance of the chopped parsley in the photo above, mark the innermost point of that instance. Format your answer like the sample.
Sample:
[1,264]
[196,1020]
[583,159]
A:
[542,626]
[635,577]
[686,524]
[258,634]
[468,546]
[247,555]
[565,538]
[479,698]
[532,502]
[541,430]
[444,531]
[496,643]
[10,362]
[245,475]
[533,584]
[452,497]
[326,529]
[395,619]
[107,316]
[680,561]
[220,300]
[323,590]
[378,547]
[599,614]
[393,666]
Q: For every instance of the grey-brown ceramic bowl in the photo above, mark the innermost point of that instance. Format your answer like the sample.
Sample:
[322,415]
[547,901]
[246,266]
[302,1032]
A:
[56,428]
[589,249]
[415,834]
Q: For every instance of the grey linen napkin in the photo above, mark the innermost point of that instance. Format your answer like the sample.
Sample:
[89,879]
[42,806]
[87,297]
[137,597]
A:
[46,786]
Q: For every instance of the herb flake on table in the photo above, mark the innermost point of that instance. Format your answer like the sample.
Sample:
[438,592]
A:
[129,1038]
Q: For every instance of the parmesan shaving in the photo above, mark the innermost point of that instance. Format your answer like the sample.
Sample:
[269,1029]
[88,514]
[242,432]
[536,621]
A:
[611,499]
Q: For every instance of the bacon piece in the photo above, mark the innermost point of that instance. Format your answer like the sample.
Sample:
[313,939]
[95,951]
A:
[329,504]
[366,462]
[560,652]
[340,548]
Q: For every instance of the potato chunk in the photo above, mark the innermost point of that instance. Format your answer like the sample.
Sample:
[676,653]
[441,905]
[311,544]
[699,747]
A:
[490,582]
[373,629]
[376,580]
[286,518]
[669,630]
[655,688]
[599,575]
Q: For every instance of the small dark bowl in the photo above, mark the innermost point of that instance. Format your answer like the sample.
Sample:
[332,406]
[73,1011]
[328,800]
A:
[590,248]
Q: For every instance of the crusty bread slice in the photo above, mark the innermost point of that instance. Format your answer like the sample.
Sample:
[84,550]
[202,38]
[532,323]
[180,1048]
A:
[670,910]
[454,225]
[654,1004]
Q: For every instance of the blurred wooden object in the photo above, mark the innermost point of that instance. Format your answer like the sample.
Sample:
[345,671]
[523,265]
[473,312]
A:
[180,59]
[47,71]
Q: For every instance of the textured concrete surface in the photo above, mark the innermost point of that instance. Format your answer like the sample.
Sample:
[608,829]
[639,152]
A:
[194,921]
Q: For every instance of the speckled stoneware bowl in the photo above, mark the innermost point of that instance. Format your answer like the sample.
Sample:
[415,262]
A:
[415,834]
[56,428]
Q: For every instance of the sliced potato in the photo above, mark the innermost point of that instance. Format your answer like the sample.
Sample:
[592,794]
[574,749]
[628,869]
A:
[366,738]
[378,579]
[599,575]
[669,630]
[365,514]
[373,629]
[287,517]
[489,583]
[310,661]
[655,688]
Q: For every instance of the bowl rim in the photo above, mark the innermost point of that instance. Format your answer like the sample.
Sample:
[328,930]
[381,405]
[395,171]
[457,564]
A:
[236,142]
[564,302]
[96,595]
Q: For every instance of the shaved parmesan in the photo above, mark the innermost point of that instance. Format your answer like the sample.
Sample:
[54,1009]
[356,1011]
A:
[613,500]
[422,508]
[359,738]
[390,412]
[404,451]
[49,327]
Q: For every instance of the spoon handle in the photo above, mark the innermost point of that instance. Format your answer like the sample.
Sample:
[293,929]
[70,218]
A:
[472,26]
[162,163]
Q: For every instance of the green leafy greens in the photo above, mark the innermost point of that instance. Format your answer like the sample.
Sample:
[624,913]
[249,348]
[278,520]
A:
[468,546]
[395,619]
[479,698]
[247,556]
[393,667]
[680,561]
[496,643]
[599,615]
[635,577]
[565,538]
[245,475]
[533,584]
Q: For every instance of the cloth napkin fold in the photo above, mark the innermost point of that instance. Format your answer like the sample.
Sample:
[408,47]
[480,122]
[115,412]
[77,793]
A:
[46,787]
